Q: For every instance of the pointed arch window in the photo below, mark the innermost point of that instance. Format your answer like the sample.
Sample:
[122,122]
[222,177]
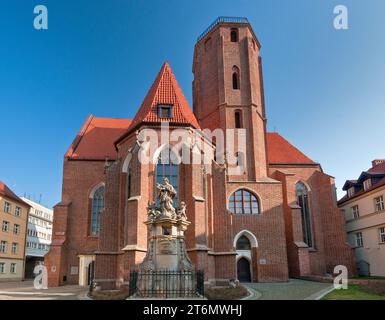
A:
[243,243]
[97,207]
[167,167]
[303,202]
[235,78]
[243,202]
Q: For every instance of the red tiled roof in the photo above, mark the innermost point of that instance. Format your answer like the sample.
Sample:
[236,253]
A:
[281,151]
[164,90]
[95,140]
[6,192]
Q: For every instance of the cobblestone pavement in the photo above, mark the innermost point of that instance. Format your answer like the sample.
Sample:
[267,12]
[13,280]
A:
[293,290]
[24,290]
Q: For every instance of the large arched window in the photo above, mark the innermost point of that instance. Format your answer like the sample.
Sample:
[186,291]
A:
[243,202]
[167,167]
[97,207]
[303,202]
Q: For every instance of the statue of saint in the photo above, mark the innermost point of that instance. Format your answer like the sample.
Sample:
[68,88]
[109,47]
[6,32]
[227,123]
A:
[166,194]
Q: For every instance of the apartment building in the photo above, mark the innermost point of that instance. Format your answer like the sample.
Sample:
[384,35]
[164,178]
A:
[13,224]
[39,235]
[364,211]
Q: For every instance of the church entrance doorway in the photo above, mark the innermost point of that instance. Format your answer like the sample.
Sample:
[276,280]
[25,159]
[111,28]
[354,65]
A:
[243,270]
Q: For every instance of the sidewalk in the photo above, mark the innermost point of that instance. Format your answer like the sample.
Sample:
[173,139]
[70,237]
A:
[24,290]
[295,289]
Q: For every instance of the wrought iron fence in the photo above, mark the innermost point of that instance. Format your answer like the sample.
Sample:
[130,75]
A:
[166,284]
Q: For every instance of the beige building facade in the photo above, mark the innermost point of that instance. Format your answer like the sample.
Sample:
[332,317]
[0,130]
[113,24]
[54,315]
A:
[364,210]
[13,230]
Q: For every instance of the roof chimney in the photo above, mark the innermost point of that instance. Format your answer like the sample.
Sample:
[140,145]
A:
[377,162]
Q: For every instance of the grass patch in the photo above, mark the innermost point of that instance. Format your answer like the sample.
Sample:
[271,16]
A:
[356,292]
[109,295]
[226,293]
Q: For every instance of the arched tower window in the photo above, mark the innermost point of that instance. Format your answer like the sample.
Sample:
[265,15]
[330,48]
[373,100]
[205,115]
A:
[235,78]
[243,202]
[167,167]
[303,202]
[243,243]
[97,207]
[234,35]
[238,119]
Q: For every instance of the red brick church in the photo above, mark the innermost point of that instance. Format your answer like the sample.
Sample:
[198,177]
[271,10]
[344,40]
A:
[277,219]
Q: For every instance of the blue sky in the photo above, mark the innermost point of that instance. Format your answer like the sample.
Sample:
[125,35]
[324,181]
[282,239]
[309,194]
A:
[325,89]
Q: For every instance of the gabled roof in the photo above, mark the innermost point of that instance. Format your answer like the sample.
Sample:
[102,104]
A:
[164,90]
[281,151]
[348,184]
[377,171]
[8,193]
[95,140]
[379,184]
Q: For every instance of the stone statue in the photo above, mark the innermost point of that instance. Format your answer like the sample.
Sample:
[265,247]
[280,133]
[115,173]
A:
[166,194]
[181,212]
[152,212]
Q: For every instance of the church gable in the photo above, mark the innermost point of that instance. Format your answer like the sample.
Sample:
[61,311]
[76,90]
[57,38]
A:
[164,102]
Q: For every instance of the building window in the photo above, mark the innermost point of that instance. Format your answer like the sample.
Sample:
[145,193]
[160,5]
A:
[5,226]
[164,110]
[15,246]
[3,246]
[382,235]
[303,202]
[13,268]
[379,203]
[16,229]
[167,167]
[355,212]
[367,184]
[7,207]
[97,207]
[18,212]
[238,119]
[359,240]
[234,35]
[2,267]
[243,243]
[351,192]
[243,202]
[235,78]
[128,183]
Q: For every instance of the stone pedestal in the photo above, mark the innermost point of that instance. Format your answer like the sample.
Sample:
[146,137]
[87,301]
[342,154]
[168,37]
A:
[166,246]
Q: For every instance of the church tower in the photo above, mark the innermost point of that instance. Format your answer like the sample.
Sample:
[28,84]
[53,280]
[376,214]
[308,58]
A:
[228,89]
